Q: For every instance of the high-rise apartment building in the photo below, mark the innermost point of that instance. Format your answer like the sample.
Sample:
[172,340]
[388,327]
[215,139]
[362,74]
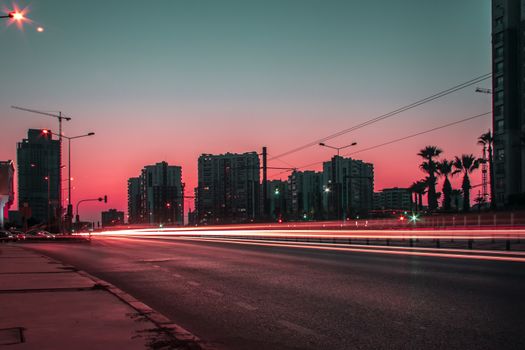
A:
[39,176]
[134,202]
[348,187]
[508,82]
[7,191]
[228,188]
[305,195]
[157,195]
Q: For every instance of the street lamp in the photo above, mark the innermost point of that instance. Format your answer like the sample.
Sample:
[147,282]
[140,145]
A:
[15,15]
[69,138]
[337,148]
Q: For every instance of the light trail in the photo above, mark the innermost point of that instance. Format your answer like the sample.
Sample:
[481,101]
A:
[422,252]
[326,234]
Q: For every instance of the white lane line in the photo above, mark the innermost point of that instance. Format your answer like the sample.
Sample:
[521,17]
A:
[246,306]
[193,283]
[176,275]
[214,292]
[295,327]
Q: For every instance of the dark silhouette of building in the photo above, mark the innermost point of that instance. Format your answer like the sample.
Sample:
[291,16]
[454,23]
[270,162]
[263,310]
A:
[393,199]
[7,190]
[39,176]
[228,188]
[277,194]
[134,201]
[112,217]
[305,195]
[160,197]
[348,187]
[508,87]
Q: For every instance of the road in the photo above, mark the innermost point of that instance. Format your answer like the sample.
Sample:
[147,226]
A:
[237,296]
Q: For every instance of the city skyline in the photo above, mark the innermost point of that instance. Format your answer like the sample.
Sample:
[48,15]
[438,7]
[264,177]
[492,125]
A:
[282,83]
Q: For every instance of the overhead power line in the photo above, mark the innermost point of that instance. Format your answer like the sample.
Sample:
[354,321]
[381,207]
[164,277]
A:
[400,139]
[389,114]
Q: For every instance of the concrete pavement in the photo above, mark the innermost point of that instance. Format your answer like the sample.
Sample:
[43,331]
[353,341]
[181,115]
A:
[45,304]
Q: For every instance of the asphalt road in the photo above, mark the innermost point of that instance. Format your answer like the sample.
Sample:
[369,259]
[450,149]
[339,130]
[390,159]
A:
[256,297]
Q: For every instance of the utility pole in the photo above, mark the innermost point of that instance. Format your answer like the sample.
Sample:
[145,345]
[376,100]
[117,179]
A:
[60,117]
[265,184]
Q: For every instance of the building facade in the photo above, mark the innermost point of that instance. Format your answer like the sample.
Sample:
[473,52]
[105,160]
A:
[393,199]
[277,192]
[157,195]
[508,93]
[39,177]
[7,190]
[112,217]
[305,195]
[134,201]
[228,188]
[348,187]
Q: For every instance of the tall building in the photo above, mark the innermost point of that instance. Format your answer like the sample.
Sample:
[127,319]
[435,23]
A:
[134,202]
[348,187]
[277,194]
[112,217]
[508,83]
[393,198]
[39,176]
[7,191]
[228,188]
[157,195]
[305,195]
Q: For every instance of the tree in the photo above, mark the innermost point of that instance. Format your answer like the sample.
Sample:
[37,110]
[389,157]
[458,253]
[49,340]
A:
[413,189]
[429,166]
[466,165]
[445,169]
[487,141]
[419,189]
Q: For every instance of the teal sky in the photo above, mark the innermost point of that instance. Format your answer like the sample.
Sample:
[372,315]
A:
[169,80]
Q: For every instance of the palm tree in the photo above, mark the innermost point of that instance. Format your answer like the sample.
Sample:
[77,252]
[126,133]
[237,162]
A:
[429,153]
[487,141]
[413,189]
[445,168]
[455,194]
[419,188]
[466,165]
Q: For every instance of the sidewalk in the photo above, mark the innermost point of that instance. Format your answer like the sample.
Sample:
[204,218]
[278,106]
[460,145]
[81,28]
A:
[47,305]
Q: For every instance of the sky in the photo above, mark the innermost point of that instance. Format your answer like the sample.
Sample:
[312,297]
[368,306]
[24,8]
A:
[168,80]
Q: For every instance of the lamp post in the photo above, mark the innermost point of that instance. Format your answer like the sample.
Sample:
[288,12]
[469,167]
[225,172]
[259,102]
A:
[337,148]
[336,195]
[69,138]
[14,15]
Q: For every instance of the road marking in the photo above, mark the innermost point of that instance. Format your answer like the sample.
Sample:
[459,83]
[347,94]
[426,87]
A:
[246,306]
[214,292]
[193,283]
[295,327]
[176,275]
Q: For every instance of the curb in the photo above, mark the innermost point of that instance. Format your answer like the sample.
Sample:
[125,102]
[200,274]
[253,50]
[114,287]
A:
[163,323]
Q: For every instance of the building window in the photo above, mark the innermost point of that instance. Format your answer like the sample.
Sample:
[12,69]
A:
[498,126]
[500,182]
[497,38]
[498,97]
[500,154]
[498,82]
[498,111]
[499,68]
[500,168]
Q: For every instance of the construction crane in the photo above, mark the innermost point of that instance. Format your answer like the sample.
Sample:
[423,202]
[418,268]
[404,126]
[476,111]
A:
[60,118]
